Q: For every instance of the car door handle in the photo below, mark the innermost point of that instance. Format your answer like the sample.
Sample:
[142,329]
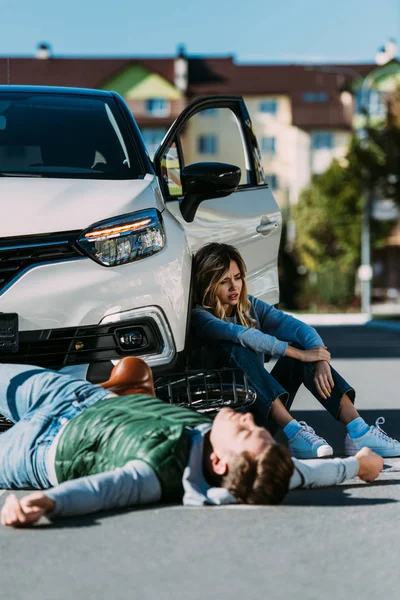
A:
[267,228]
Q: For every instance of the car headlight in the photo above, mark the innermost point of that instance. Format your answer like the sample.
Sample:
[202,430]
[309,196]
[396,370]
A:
[124,239]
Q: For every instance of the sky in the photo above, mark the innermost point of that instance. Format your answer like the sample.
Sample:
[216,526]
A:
[253,31]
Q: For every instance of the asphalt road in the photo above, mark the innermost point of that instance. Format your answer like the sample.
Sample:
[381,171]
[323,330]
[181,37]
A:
[335,543]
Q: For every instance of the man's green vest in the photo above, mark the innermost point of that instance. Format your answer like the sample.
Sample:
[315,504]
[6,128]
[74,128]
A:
[114,431]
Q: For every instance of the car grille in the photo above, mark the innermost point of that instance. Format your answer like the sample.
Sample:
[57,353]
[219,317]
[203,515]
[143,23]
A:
[5,424]
[57,348]
[20,253]
[206,391]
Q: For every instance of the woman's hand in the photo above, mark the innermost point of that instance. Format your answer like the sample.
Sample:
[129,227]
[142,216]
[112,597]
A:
[315,354]
[27,510]
[323,379]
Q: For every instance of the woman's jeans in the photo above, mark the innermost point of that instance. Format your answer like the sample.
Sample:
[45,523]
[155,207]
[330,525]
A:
[283,382]
[39,402]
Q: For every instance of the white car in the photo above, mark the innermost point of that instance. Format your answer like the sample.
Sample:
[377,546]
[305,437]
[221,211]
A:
[96,240]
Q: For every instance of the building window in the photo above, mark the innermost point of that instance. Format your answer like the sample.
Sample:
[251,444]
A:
[315,97]
[207,144]
[269,107]
[377,103]
[322,140]
[152,139]
[374,101]
[158,107]
[268,145]
[272,181]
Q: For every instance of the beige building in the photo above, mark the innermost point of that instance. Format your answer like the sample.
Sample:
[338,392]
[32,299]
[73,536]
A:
[285,149]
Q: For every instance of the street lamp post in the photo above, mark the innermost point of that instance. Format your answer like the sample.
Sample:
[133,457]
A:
[365,272]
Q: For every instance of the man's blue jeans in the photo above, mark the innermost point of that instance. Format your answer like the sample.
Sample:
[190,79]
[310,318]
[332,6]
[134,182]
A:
[283,382]
[39,402]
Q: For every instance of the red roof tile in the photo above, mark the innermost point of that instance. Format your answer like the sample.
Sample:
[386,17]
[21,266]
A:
[75,72]
[223,76]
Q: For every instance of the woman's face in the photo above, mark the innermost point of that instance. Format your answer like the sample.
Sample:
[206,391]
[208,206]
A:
[230,287]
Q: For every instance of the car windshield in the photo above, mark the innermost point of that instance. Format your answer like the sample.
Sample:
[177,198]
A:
[64,135]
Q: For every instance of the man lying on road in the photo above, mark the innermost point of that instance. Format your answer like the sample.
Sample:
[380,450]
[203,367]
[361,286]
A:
[92,450]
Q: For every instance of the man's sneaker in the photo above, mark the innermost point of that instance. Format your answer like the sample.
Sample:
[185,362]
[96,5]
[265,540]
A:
[375,439]
[307,444]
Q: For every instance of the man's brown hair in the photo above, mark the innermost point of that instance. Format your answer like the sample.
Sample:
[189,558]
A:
[260,480]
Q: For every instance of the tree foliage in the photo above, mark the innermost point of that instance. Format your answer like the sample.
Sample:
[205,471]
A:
[328,220]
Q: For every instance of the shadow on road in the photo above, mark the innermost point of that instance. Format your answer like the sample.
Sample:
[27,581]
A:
[338,496]
[93,519]
[360,341]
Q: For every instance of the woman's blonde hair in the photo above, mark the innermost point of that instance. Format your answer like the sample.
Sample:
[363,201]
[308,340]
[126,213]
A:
[211,263]
[261,480]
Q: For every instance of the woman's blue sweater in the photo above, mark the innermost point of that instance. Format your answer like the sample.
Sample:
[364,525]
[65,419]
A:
[274,329]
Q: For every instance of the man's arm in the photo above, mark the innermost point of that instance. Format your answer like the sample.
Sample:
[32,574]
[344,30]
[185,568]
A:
[326,472]
[135,483]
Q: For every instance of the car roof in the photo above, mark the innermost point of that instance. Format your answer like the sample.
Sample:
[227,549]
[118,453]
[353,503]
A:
[42,89]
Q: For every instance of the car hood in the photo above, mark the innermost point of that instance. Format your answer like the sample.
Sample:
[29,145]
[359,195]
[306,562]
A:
[30,206]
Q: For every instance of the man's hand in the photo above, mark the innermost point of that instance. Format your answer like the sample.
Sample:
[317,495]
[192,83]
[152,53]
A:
[25,511]
[323,379]
[371,464]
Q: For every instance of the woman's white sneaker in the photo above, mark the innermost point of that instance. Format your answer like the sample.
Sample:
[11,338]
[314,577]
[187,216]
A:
[307,444]
[376,439]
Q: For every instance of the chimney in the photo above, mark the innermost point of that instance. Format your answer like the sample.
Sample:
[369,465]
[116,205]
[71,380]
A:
[43,51]
[391,48]
[387,53]
[181,69]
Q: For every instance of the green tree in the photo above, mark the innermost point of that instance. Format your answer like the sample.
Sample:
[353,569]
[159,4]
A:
[328,225]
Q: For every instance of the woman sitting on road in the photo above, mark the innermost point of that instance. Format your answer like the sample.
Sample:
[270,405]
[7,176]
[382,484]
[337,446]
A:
[239,329]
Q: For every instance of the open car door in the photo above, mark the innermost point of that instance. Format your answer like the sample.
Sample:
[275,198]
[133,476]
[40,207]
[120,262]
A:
[209,140]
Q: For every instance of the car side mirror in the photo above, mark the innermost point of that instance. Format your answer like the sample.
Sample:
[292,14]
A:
[203,181]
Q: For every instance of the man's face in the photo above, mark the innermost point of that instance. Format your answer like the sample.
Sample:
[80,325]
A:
[233,433]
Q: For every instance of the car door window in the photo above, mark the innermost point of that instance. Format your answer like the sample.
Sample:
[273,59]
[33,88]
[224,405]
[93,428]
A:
[208,136]
[171,166]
